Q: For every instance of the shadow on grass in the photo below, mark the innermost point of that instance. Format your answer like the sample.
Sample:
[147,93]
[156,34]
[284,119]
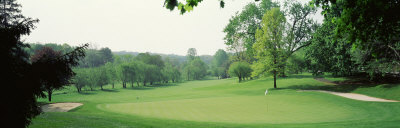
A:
[110,90]
[334,88]
[139,88]
[297,76]
[87,93]
[390,85]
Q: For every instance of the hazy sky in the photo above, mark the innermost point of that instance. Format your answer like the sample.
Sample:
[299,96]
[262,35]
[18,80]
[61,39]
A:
[131,25]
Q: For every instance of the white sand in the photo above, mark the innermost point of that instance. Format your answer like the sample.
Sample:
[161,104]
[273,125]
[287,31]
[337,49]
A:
[355,96]
[60,107]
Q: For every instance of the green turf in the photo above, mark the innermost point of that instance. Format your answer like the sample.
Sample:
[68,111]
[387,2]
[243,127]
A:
[222,103]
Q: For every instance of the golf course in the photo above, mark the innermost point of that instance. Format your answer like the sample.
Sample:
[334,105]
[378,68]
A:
[227,103]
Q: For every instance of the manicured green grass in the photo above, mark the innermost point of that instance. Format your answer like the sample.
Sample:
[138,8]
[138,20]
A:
[329,76]
[386,91]
[221,103]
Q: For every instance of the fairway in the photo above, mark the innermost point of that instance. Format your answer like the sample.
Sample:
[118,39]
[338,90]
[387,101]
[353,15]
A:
[220,103]
[273,109]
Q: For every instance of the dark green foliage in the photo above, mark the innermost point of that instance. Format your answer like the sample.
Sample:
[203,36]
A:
[373,29]
[63,48]
[106,55]
[183,7]
[80,79]
[297,63]
[195,69]
[23,79]
[242,70]
[111,73]
[96,58]
[220,64]
[102,78]
[329,54]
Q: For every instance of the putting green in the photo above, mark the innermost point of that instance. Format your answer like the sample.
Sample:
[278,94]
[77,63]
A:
[272,109]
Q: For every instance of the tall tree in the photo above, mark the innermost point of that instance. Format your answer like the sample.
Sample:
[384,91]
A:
[51,77]
[241,29]
[111,73]
[372,27]
[329,54]
[220,64]
[124,73]
[269,45]
[191,54]
[299,28]
[102,78]
[80,79]
[23,82]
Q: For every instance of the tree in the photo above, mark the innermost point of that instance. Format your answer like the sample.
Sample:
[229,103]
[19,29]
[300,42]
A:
[299,29]
[371,26]
[191,54]
[176,75]
[297,63]
[24,84]
[151,67]
[111,73]
[80,79]
[241,70]
[220,58]
[195,69]
[171,69]
[124,71]
[51,77]
[269,44]
[106,55]
[92,78]
[92,59]
[329,54]
[96,58]
[220,64]
[102,78]
[241,29]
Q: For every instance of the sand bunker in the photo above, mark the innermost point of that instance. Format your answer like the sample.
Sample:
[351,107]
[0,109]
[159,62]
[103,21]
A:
[60,107]
[350,95]
[355,96]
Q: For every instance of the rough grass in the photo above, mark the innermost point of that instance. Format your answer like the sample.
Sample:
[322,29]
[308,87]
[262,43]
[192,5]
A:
[224,103]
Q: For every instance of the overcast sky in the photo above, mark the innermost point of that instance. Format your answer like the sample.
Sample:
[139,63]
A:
[131,25]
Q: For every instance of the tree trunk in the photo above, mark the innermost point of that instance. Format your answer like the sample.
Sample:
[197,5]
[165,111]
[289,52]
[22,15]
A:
[101,86]
[113,85]
[137,82]
[274,78]
[49,92]
[151,83]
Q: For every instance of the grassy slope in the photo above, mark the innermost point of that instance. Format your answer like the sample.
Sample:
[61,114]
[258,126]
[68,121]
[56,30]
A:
[386,91]
[221,103]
